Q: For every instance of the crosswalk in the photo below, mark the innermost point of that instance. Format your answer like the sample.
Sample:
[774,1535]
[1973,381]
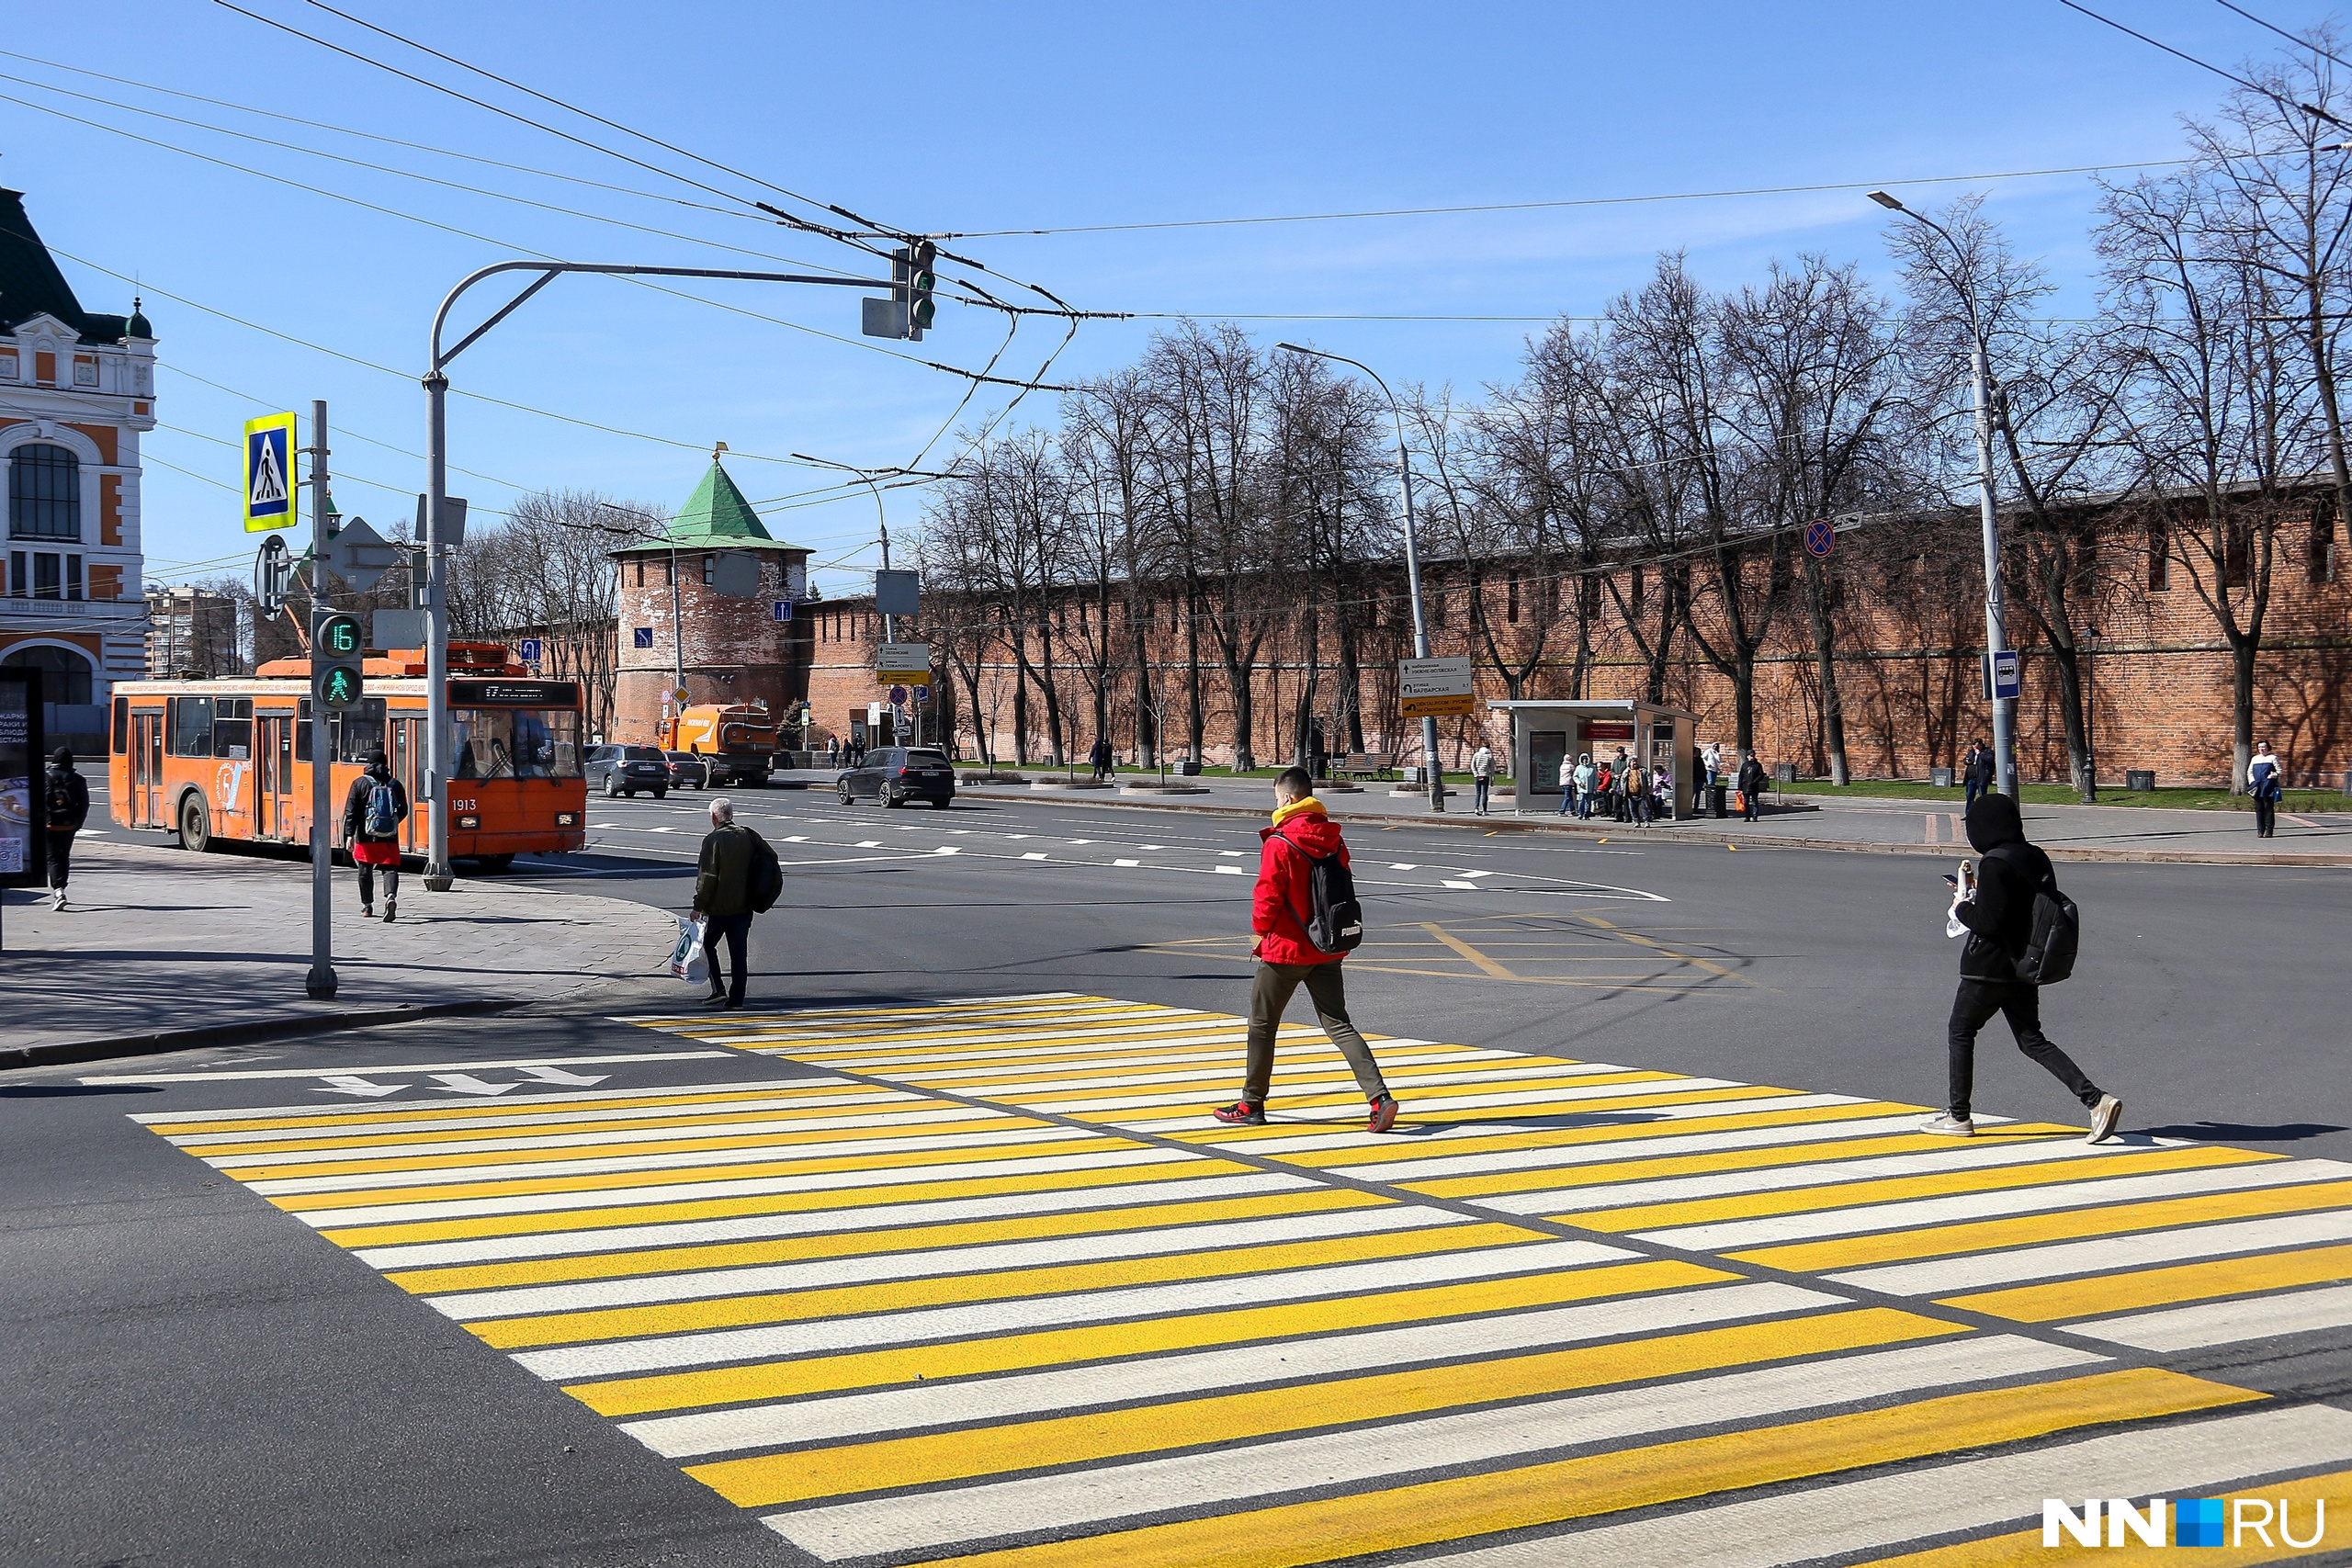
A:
[989,1288]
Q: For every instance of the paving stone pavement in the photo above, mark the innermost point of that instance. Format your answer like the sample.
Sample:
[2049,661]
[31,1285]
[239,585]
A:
[157,938]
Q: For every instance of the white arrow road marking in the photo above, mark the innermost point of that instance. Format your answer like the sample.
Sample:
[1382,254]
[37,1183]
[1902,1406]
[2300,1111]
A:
[1126,863]
[1228,870]
[557,1074]
[1032,855]
[1463,886]
[948,849]
[344,1083]
[466,1083]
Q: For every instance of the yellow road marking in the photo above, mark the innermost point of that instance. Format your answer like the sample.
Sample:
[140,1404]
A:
[1640,941]
[1507,1137]
[1068,1347]
[1983,1236]
[910,1461]
[792,1306]
[2158,1287]
[880,1095]
[782,1122]
[1468,952]
[1454,1510]
[1830,1153]
[791,1249]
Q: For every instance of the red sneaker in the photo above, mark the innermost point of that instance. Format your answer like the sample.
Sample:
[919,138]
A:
[1384,1113]
[1241,1113]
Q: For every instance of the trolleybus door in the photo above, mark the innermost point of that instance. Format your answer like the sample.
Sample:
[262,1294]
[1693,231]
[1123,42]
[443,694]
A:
[407,756]
[274,777]
[147,768]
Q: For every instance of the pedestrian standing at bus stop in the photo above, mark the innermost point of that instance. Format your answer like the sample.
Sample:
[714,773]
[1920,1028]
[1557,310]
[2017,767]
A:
[1302,937]
[65,806]
[372,815]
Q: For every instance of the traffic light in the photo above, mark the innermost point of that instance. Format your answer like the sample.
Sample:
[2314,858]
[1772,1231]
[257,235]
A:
[921,280]
[336,653]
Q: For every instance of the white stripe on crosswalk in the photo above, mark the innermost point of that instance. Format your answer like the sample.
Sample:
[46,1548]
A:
[1978,1270]
[1927,1162]
[387,1068]
[1011,1131]
[1030,1313]
[1108,1493]
[2226,1323]
[429,1113]
[615,1116]
[1220,1369]
[1891,1510]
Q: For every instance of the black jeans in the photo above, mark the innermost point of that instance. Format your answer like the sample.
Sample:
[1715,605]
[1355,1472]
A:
[367,883]
[1479,787]
[1271,993]
[1972,1007]
[61,855]
[2266,818]
[736,930]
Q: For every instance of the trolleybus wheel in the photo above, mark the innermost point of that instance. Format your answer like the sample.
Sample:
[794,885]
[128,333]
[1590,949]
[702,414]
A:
[196,825]
[493,865]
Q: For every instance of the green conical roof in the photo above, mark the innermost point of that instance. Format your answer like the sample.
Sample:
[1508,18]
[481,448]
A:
[717,513]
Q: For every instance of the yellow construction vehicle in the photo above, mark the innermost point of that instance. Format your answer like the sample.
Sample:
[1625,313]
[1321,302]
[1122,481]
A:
[737,744]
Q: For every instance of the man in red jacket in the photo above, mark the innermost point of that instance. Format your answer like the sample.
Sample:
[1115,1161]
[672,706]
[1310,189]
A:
[1280,907]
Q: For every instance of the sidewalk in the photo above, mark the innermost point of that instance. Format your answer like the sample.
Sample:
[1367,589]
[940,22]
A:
[1870,826]
[158,939]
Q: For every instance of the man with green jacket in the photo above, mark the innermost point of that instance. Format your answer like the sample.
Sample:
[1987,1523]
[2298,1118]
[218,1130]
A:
[726,895]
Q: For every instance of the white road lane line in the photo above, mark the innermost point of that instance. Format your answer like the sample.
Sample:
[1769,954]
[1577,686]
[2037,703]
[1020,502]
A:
[988,1258]
[1199,1373]
[621,1357]
[1141,1197]
[2226,1323]
[1887,1511]
[1100,1496]
[2173,1244]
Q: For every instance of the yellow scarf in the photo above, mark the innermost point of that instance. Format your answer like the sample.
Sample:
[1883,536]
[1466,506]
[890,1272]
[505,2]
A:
[1299,807]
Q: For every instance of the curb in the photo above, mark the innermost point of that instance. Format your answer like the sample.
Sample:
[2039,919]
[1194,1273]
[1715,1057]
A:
[159,1041]
[1765,841]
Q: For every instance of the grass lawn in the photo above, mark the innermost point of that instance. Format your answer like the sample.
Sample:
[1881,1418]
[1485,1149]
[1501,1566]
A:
[2174,798]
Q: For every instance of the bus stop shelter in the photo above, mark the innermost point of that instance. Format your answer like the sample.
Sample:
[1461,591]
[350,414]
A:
[1543,731]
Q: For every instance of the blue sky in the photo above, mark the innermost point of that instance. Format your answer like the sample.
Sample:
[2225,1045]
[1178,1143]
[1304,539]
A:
[980,117]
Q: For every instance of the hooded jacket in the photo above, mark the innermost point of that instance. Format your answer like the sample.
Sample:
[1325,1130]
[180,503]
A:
[362,791]
[1283,900]
[64,787]
[2009,871]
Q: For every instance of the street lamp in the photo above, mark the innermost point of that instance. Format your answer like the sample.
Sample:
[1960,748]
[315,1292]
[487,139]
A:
[882,525]
[1412,556]
[2005,750]
[2090,720]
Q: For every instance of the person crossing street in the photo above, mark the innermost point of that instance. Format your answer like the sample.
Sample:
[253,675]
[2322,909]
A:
[65,806]
[736,878]
[1284,915]
[372,813]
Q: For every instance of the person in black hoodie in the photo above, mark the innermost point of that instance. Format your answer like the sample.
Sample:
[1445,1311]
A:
[65,806]
[1996,906]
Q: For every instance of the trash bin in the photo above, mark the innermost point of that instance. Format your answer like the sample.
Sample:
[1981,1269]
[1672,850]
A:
[1784,773]
[1719,796]
[2141,781]
[1939,777]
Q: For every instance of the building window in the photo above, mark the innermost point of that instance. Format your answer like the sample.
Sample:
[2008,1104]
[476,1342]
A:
[64,674]
[7,364]
[1511,599]
[20,585]
[44,493]
[641,571]
[2159,560]
[2318,564]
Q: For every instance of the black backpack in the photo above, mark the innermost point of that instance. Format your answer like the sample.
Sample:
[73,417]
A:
[766,875]
[2049,956]
[1336,922]
[61,798]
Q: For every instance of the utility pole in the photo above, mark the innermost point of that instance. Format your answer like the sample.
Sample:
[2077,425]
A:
[1996,638]
[1412,560]
[320,983]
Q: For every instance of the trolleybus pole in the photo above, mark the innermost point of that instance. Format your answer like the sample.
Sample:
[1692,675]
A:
[320,982]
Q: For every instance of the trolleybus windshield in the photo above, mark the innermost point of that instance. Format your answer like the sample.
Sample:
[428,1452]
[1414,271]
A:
[516,743]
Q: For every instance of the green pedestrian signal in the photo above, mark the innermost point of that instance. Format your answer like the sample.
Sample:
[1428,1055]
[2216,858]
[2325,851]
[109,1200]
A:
[337,645]
[920,281]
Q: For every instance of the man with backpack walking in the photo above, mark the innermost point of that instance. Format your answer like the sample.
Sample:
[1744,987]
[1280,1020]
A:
[737,877]
[1304,912]
[65,806]
[372,815]
[2021,934]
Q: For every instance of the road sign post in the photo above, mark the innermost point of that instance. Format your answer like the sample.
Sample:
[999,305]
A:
[2003,678]
[320,983]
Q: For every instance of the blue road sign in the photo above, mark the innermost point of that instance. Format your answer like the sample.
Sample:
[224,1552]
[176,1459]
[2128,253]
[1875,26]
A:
[898,696]
[1820,538]
[780,609]
[529,649]
[923,696]
[640,637]
[2003,683]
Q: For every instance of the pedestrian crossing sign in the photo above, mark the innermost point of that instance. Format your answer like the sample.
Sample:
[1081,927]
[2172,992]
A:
[269,473]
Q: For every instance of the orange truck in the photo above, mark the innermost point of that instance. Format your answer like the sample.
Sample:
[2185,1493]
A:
[737,744]
[213,760]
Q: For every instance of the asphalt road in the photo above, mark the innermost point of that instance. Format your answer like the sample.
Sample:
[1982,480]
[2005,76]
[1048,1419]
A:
[201,1382]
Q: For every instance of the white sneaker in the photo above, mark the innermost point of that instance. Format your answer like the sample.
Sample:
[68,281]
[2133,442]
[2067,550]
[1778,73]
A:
[57,898]
[2104,1116]
[1949,1126]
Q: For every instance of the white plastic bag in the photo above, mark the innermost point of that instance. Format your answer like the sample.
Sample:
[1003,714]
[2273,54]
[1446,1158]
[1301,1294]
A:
[685,956]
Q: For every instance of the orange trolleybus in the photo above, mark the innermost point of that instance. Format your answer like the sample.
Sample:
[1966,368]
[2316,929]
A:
[231,758]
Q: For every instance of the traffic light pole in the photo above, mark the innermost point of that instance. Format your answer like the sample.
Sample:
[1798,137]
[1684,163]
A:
[439,876]
[320,983]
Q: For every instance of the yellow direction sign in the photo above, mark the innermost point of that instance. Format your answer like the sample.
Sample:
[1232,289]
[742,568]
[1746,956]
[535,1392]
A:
[1435,688]
[269,473]
[902,662]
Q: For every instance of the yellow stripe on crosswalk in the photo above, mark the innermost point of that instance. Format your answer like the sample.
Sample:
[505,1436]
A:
[1456,1510]
[654,1211]
[792,1306]
[458,1164]
[2025,1547]
[1835,1194]
[1982,1235]
[1829,1151]
[782,1122]
[919,1238]
[881,1096]
[831,1374]
[1461,1137]
[2161,1287]
[772,1479]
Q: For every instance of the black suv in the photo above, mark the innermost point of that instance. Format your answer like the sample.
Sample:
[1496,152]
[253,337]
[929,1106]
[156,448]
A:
[896,774]
[625,770]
